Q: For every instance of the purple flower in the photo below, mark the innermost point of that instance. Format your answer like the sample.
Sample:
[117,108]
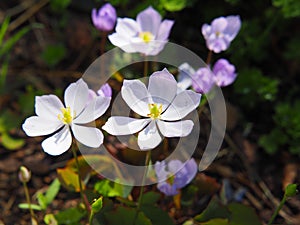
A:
[105,18]
[175,175]
[203,80]
[221,32]
[224,73]
[104,91]
[148,34]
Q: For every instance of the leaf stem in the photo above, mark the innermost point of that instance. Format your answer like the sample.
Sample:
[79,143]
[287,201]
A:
[283,200]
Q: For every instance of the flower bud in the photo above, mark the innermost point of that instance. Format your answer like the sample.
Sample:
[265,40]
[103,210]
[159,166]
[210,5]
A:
[97,205]
[105,18]
[291,190]
[24,174]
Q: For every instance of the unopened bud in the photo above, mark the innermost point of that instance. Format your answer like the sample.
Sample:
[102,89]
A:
[24,174]
[291,190]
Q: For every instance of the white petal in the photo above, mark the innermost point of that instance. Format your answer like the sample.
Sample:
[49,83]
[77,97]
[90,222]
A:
[37,126]
[162,87]
[58,143]
[149,20]
[121,125]
[93,110]
[175,129]
[76,96]
[121,41]
[149,138]
[48,106]
[89,136]
[136,95]
[185,77]
[127,27]
[164,30]
[184,103]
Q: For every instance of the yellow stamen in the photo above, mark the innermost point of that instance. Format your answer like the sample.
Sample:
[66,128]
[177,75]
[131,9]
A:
[171,180]
[155,110]
[66,116]
[146,36]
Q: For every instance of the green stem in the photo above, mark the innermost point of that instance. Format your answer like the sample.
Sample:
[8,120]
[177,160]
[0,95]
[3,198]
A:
[139,204]
[283,200]
[146,67]
[28,201]
[91,217]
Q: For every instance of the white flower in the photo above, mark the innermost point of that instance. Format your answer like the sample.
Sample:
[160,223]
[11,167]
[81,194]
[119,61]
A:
[162,107]
[148,34]
[53,116]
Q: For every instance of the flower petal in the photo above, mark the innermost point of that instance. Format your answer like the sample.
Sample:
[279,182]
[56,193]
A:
[105,90]
[233,27]
[185,77]
[149,20]
[121,125]
[37,126]
[219,24]
[175,129]
[159,82]
[149,137]
[127,27]
[89,136]
[93,110]
[164,30]
[58,143]
[136,95]
[167,189]
[48,107]
[121,41]
[184,103]
[76,96]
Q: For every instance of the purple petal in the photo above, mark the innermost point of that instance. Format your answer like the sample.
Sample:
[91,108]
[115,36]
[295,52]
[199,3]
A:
[224,73]
[106,17]
[219,24]
[233,27]
[203,80]
[167,189]
[105,90]
[164,30]
[149,20]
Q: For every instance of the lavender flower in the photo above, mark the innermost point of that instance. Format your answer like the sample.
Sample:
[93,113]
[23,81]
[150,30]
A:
[105,18]
[175,175]
[224,73]
[147,34]
[221,32]
[203,80]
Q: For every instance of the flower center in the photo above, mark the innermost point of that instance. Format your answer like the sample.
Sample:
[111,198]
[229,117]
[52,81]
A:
[155,110]
[146,36]
[171,180]
[66,116]
[219,34]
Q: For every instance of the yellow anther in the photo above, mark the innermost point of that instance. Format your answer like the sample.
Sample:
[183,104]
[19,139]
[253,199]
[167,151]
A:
[66,116]
[146,36]
[155,110]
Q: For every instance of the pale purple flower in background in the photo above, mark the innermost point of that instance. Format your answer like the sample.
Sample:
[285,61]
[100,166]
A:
[148,34]
[104,91]
[224,73]
[161,106]
[105,18]
[185,77]
[221,32]
[203,80]
[54,116]
[175,175]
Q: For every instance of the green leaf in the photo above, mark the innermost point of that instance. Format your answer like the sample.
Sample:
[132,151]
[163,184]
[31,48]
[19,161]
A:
[49,219]
[59,5]
[289,8]
[53,54]
[70,216]
[3,29]
[173,5]
[33,206]
[69,179]
[241,214]
[11,143]
[42,200]
[157,215]
[6,46]
[150,198]
[217,221]
[126,216]
[108,188]
[214,210]
[52,191]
